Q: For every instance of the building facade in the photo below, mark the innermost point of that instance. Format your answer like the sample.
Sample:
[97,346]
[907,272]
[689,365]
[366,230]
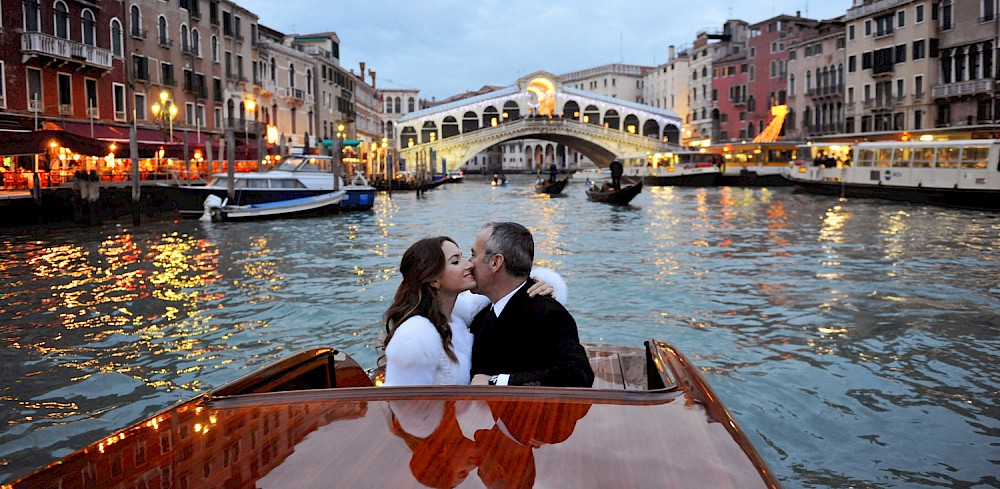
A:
[626,82]
[666,86]
[966,95]
[707,48]
[892,61]
[816,71]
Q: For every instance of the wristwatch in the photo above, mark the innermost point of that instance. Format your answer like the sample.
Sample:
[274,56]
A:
[493,379]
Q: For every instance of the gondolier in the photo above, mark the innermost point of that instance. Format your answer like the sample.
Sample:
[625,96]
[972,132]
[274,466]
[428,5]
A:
[616,174]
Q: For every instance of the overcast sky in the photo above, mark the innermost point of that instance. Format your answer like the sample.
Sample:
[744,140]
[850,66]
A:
[445,47]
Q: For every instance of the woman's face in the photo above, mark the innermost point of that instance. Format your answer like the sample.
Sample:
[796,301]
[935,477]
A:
[457,274]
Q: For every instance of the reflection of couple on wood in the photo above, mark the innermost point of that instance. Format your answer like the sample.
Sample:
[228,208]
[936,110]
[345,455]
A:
[439,333]
[450,439]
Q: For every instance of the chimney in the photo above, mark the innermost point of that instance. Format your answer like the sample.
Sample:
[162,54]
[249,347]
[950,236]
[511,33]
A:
[798,13]
[362,71]
[670,53]
[372,73]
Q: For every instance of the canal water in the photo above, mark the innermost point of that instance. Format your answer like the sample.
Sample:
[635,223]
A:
[854,340]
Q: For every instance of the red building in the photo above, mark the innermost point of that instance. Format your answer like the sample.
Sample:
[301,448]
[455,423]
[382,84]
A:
[767,60]
[729,85]
[62,61]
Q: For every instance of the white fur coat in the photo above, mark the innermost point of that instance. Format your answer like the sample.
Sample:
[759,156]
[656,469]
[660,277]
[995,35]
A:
[415,355]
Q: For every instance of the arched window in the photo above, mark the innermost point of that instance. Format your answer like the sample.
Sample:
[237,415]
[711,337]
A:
[87,27]
[388,105]
[32,21]
[399,107]
[195,42]
[215,48]
[61,15]
[185,43]
[135,20]
[274,70]
[161,27]
[116,38]
[411,105]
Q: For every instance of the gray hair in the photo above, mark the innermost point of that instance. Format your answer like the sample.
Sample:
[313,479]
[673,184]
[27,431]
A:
[515,243]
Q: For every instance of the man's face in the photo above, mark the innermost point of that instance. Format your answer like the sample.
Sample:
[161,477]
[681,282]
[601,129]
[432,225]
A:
[480,262]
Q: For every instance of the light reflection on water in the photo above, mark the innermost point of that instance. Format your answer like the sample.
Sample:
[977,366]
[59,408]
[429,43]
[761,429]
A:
[843,335]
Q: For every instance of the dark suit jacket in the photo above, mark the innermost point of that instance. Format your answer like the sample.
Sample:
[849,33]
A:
[535,340]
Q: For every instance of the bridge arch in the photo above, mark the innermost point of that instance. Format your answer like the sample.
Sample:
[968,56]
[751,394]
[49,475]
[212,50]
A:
[537,107]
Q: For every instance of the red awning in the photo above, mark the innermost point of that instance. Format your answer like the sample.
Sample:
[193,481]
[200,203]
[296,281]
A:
[37,142]
[100,131]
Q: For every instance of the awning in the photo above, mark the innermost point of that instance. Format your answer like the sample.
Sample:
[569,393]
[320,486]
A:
[100,131]
[36,142]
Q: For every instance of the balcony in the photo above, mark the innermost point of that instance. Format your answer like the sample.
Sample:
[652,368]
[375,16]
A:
[739,101]
[39,44]
[963,89]
[166,43]
[66,109]
[245,125]
[138,33]
[93,113]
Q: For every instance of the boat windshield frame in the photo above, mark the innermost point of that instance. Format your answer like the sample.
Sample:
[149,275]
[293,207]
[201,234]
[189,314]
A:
[306,163]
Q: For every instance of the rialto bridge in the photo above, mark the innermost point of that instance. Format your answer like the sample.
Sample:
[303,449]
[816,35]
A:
[536,107]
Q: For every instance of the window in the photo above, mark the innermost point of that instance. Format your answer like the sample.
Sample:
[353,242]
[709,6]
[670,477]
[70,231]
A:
[918,50]
[918,86]
[140,67]
[116,38]
[946,19]
[189,113]
[87,28]
[35,100]
[901,18]
[850,32]
[90,87]
[3,86]
[61,26]
[195,43]
[140,106]
[32,18]
[899,88]
[185,39]
[919,14]
[988,10]
[65,85]
[410,105]
[217,116]
[868,28]
[215,49]
[118,99]
[135,19]
[852,63]
[900,55]
[161,29]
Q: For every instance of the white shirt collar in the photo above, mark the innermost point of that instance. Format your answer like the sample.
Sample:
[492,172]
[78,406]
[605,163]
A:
[498,307]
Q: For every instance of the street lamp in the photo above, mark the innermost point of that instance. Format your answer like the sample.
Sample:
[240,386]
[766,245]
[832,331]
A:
[164,112]
[250,105]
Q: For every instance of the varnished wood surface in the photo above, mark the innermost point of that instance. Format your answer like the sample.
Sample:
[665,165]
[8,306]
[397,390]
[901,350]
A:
[445,436]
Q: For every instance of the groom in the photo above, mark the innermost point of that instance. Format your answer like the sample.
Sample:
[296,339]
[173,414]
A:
[520,340]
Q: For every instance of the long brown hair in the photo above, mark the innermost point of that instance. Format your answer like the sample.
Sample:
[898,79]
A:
[422,263]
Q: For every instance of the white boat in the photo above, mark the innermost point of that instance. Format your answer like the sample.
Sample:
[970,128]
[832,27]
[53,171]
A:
[755,164]
[296,177]
[216,209]
[962,173]
[674,168]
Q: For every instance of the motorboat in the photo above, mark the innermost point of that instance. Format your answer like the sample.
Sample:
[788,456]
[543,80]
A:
[681,168]
[295,177]
[217,210]
[607,194]
[957,173]
[317,419]
[754,164]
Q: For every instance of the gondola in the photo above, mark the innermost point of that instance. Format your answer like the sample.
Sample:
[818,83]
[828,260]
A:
[605,193]
[551,188]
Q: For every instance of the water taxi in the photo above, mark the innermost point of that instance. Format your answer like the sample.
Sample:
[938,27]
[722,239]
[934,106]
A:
[755,164]
[674,168]
[961,173]
[318,420]
[295,177]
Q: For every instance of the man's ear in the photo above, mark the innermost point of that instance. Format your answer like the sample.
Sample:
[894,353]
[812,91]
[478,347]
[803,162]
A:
[496,261]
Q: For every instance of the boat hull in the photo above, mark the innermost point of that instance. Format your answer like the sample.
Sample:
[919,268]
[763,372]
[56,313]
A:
[309,206]
[314,420]
[621,197]
[551,188]
[960,198]
[752,178]
[690,180]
